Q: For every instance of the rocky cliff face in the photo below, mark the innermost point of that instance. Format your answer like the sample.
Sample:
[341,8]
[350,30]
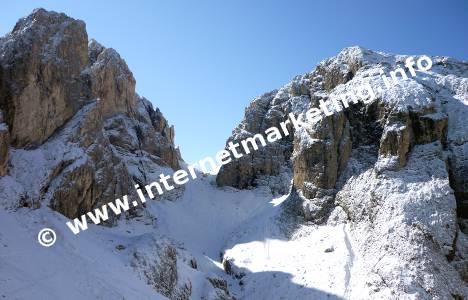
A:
[42,60]
[395,167]
[70,110]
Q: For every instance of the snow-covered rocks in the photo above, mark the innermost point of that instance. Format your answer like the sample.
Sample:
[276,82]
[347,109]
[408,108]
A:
[73,104]
[157,262]
[405,228]
[395,166]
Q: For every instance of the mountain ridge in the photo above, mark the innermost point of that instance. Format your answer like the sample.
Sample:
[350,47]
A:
[367,203]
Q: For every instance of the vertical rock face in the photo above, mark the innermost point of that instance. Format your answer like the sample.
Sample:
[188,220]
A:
[4,142]
[71,114]
[4,133]
[320,155]
[273,161]
[42,60]
[161,142]
[416,111]
[111,81]
[396,165]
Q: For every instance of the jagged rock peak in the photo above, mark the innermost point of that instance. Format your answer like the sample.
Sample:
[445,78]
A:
[94,49]
[42,17]
[73,101]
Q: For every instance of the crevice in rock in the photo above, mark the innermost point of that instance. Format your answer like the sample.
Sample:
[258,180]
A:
[461,195]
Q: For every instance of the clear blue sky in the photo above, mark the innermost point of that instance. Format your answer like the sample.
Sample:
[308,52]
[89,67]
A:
[202,62]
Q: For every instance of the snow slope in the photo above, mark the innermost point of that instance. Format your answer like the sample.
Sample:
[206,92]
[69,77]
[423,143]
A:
[205,222]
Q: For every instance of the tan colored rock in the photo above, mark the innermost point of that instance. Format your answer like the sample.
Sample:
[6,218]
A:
[320,154]
[404,130]
[95,178]
[430,127]
[272,108]
[112,83]
[42,59]
[102,175]
[82,190]
[159,140]
[396,139]
[78,101]
[4,145]
[333,74]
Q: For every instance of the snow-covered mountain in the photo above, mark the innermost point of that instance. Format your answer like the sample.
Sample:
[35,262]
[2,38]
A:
[394,170]
[368,203]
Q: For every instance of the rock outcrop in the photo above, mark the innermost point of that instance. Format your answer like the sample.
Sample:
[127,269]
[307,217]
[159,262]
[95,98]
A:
[110,81]
[157,264]
[70,110]
[42,60]
[168,268]
[4,143]
[395,165]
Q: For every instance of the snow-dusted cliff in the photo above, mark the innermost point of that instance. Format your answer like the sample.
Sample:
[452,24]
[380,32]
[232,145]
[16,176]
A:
[368,203]
[393,169]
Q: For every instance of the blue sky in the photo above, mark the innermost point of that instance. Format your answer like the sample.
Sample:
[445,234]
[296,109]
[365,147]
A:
[202,62]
